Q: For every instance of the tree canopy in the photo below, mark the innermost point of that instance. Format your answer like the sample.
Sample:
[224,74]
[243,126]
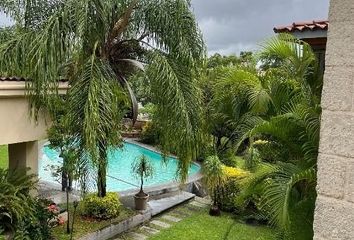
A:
[97,45]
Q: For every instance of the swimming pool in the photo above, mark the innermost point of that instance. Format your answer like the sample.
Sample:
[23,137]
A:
[119,166]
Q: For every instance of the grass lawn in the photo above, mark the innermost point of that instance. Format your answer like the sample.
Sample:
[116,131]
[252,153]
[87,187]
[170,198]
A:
[4,156]
[84,226]
[201,226]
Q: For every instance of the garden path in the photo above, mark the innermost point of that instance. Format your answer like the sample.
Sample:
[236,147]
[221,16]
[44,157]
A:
[165,220]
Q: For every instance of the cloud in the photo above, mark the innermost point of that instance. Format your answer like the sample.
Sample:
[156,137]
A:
[231,26]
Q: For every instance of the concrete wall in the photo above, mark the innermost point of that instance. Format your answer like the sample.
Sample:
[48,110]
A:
[334,214]
[16,125]
[18,129]
[24,155]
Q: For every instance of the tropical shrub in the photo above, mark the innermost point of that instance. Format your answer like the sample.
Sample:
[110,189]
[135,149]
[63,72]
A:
[234,173]
[214,178]
[231,188]
[271,117]
[15,203]
[100,208]
[270,151]
[27,217]
[150,133]
[285,190]
[39,225]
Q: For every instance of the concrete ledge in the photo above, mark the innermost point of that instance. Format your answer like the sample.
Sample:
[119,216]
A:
[161,205]
[115,229]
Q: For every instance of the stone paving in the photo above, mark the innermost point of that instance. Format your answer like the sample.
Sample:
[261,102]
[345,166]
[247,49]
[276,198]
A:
[165,220]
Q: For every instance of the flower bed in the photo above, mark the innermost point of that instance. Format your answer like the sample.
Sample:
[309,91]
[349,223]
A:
[85,225]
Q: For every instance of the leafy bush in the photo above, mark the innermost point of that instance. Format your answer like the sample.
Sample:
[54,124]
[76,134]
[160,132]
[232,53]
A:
[234,173]
[25,216]
[214,179]
[271,151]
[15,203]
[150,133]
[231,188]
[228,158]
[39,225]
[100,208]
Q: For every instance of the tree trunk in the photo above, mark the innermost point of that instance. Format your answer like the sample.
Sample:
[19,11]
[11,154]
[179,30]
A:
[64,181]
[102,171]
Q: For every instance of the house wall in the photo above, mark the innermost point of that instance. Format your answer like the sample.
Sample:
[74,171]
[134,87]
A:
[334,214]
[18,129]
[16,125]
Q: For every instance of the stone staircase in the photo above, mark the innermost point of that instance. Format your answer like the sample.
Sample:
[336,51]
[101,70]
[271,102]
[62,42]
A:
[165,219]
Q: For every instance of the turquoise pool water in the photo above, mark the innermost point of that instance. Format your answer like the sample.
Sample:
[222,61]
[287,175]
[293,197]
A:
[119,166]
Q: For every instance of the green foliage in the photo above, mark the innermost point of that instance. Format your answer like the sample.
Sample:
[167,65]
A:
[100,208]
[97,45]
[201,225]
[214,177]
[149,109]
[84,225]
[150,133]
[4,157]
[15,204]
[142,169]
[25,216]
[271,116]
[40,225]
[230,191]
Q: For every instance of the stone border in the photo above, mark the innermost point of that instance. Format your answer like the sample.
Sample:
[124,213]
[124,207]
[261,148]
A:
[115,229]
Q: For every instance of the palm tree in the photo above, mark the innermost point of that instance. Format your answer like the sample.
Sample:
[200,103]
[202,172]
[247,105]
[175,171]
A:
[287,189]
[97,45]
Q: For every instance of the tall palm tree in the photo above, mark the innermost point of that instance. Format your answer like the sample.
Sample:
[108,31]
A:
[287,188]
[97,45]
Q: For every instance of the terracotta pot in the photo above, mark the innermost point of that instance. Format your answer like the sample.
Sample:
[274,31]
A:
[141,201]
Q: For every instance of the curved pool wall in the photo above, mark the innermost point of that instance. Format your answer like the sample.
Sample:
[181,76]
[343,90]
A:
[119,167]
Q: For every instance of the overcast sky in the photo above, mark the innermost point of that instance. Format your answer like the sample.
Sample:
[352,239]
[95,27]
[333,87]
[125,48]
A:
[231,26]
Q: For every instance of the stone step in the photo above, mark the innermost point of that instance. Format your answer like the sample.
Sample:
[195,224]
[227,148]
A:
[161,205]
[181,213]
[198,204]
[171,218]
[149,230]
[206,201]
[160,224]
[137,236]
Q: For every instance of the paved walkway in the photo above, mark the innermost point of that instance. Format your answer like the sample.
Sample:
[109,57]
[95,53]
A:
[165,220]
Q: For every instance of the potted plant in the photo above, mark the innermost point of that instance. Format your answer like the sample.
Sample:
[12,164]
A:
[143,169]
[214,180]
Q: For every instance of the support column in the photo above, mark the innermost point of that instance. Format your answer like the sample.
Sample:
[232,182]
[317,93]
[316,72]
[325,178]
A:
[24,155]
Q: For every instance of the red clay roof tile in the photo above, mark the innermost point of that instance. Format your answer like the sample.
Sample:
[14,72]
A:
[303,26]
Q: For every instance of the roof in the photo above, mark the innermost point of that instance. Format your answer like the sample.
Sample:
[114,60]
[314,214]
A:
[13,79]
[303,26]
[20,79]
